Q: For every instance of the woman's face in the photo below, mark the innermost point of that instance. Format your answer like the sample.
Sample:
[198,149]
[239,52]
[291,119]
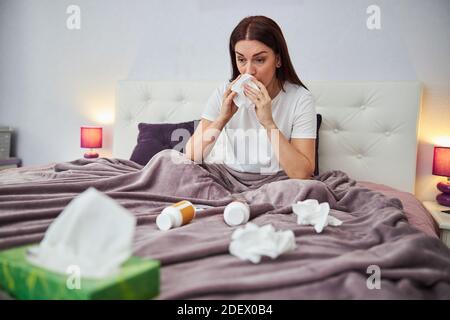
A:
[255,58]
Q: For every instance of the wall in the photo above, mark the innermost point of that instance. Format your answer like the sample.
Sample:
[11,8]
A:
[53,79]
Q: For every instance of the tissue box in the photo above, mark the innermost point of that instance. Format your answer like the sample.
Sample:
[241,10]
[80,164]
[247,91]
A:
[138,278]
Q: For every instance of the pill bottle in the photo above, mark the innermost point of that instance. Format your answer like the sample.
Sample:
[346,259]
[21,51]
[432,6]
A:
[176,215]
[236,213]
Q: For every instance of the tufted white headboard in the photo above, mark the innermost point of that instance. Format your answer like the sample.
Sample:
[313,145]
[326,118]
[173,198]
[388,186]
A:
[369,129]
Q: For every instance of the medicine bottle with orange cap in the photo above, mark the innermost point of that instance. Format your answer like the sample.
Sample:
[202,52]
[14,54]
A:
[176,215]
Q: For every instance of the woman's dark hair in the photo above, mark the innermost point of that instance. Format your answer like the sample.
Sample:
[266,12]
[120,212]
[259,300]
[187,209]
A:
[268,32]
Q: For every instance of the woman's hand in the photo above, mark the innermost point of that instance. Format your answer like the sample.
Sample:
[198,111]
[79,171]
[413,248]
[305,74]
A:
[228,108]
[262,101]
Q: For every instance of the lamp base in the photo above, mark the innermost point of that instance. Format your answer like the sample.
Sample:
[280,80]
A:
[444,197]
[91,155]
[444,187]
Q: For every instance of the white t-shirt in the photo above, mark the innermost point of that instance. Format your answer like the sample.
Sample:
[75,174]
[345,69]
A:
[244,146]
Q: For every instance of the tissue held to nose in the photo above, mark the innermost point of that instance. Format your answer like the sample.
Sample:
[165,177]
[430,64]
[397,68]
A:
[241,100]
[93,233]
[176,215]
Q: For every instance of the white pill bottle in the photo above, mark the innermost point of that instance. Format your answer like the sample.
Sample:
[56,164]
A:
[176,215]
[236,213]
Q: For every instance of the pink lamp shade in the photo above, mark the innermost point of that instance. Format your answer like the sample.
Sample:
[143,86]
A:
[91,137]
[441,167]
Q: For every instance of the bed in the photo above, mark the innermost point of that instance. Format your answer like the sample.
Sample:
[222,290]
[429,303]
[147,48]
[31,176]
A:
[367,160]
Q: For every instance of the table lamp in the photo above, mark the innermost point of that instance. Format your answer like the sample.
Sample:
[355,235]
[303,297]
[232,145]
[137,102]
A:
[91,137]
[441,167]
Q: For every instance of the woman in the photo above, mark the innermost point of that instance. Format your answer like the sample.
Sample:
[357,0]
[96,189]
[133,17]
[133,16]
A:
[283,117]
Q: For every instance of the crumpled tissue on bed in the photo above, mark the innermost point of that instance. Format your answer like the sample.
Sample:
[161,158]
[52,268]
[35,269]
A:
[251,242]
[241,100]
[93,233]
[310,212]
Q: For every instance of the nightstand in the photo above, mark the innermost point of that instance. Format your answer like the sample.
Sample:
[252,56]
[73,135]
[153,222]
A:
[442,219]
[10,163]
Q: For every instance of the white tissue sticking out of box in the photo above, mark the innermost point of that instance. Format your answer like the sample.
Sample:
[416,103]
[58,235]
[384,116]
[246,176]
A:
[251,242]
[93,233]
[310,212]
[241,100]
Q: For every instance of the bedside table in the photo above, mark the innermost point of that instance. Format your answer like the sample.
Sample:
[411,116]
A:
[10,163]
[442,219]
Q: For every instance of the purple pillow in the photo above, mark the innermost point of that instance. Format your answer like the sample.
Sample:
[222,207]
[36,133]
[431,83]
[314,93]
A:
[319,122]
[154,137]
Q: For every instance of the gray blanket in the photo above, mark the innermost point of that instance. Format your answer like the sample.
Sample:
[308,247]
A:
[196,264]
